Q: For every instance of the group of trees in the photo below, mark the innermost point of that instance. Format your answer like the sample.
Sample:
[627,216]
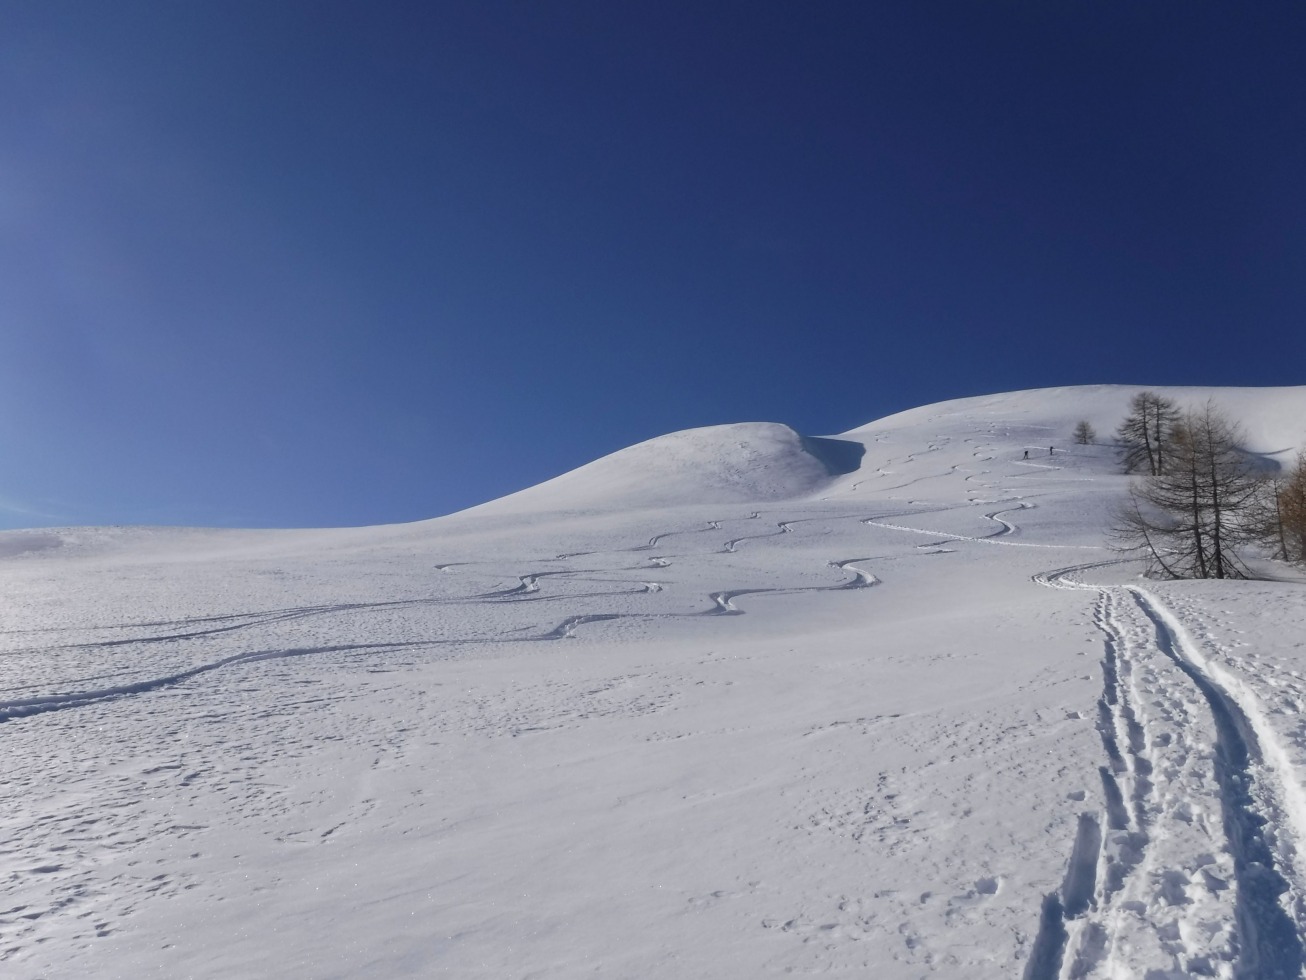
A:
[1202,501]
[1285,512]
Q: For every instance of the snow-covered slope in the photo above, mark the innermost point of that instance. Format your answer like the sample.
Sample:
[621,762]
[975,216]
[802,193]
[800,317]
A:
[750,461]
[767,461]
[1274,419]
[730,703]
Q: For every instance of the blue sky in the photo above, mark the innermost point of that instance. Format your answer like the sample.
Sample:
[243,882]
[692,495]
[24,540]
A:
[325,263]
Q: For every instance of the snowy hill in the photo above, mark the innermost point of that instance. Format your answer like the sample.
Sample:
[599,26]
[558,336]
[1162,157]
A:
[766,461]
[734,702]
[718,464]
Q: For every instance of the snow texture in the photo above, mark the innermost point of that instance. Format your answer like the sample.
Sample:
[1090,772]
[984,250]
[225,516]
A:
[734,702]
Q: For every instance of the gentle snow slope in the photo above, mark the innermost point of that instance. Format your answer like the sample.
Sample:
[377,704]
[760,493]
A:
[730,703]
[750,461]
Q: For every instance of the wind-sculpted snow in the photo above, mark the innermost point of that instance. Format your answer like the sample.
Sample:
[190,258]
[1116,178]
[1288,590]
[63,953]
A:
[723,464]
[736,703]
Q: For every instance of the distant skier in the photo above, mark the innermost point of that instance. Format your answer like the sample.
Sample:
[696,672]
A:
[1027,454]
[1049,450]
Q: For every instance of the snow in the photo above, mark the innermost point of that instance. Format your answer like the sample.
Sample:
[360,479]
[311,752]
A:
[751,461]
[729,703]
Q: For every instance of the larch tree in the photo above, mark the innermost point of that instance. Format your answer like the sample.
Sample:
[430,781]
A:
[1145,434]
[1192,519]
[1285,512]
[1085,434]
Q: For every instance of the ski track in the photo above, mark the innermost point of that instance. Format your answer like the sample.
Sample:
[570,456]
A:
[1005,529]
[784,527]
[1197,868]
[25,707]
[527,589]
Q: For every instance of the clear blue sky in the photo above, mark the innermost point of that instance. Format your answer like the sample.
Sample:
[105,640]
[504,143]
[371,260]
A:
[285,262]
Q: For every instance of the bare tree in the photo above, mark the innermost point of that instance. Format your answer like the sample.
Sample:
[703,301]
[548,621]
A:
[1145,434]
[1281,515]
[1269,517]
[1292,509]
[1191,519]
[1085,434]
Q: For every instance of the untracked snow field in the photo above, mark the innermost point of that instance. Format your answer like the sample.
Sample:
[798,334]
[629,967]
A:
[729,704]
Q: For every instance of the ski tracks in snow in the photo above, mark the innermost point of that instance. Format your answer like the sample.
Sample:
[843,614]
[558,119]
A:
[1197,852]
[529,589]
